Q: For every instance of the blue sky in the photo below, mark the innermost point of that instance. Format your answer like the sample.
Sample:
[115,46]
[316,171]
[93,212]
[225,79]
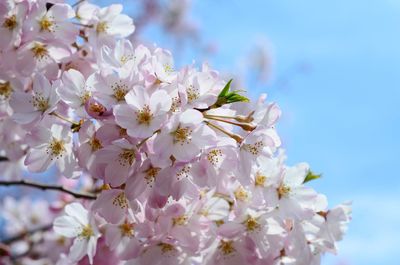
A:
[342,117]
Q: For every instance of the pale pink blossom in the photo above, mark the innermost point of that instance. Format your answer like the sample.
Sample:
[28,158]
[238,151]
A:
[78,223]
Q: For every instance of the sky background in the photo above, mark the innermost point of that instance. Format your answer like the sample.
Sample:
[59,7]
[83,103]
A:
[342,116]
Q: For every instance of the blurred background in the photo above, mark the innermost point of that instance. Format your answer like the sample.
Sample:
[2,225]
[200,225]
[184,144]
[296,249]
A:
[334,68]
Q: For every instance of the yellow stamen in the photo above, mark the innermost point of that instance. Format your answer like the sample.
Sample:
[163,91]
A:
[56,148]
[127,229]
[183,135]
[10,22]
[259,179]
[283,190]
[39,51]
[102,27]
[144,116]
[251,224]
[127,157]
[87,232]
[226,247]
[46,24]
[180,220]
[5,90]
[120,200]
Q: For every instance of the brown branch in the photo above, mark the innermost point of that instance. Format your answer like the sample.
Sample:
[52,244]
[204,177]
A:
[79,195]
[78,3]
[22,235]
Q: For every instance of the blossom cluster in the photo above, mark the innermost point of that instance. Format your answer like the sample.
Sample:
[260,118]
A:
[183,169]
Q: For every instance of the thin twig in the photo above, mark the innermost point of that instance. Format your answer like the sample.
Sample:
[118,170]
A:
[22,235]
[79,195]
[77,3]
[236,137]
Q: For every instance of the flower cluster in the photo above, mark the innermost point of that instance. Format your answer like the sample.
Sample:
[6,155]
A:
[183,169]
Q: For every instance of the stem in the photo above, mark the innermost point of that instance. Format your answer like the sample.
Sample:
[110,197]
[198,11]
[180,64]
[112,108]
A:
[218,116]
[26,233]
[145,139]
[244,126]
[77,3]
[78,195]
[236,137]
[63,118]
[82,25]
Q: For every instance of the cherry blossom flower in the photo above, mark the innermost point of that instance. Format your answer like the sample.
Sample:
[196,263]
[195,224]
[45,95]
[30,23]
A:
[184,136]
[143,114]
[30,107]
[51,23]
[107,23]
[117,161]
[74,91]
[78,223]
[51,146]
[11,21]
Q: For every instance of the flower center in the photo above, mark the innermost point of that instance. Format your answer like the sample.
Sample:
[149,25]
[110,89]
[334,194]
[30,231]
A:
[151,175]
[165,247]
[40,103]
[46,24]
[10,22]
[144,116]
[102,27]
[95,143]
[56,148]
[180,220]
[255,148]
[226,247]
[120,91]
[192,93]
[120,201]
[183,173]
[5,90]
[86,232]
[39,51]
[183,135]
[168,68]
[125,58]
[260,179]
[219,222]
[251,224]
[214,156]
[176,102]
[97,108]
[126,157]
[84,97]
[127,229]
[283,190]
[241,194]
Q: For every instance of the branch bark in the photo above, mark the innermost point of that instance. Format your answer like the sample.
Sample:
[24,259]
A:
[42,186]
[22,235]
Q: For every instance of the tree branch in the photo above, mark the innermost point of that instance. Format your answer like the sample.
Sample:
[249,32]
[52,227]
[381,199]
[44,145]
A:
[79,195]
[26,233]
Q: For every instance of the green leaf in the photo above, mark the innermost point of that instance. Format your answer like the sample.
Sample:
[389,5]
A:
[236,98]
[225,89]
[311,176]
[226,96]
